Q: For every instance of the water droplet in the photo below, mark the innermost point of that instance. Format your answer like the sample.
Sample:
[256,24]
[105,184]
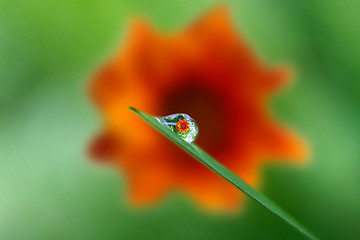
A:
[182,125]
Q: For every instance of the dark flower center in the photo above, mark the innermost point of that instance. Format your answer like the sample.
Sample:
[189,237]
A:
[206,108]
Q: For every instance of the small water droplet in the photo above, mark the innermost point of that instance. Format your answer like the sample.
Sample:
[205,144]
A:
[182,125]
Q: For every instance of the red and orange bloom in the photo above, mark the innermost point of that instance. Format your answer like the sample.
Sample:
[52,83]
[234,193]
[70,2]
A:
[208,72]
[183,126]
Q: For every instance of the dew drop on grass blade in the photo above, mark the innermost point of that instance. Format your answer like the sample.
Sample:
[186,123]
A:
[224,172]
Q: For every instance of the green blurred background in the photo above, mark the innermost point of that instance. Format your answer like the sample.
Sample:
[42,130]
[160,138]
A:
[50,190]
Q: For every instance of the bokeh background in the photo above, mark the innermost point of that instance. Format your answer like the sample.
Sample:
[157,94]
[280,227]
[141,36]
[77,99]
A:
[50,190]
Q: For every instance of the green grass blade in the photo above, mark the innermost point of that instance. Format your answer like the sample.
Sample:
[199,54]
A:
[224,172]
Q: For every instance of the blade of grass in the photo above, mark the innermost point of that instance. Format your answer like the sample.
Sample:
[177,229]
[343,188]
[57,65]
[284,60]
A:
[224,172]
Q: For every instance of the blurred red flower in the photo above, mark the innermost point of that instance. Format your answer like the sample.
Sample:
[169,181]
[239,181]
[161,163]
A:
[208,72]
